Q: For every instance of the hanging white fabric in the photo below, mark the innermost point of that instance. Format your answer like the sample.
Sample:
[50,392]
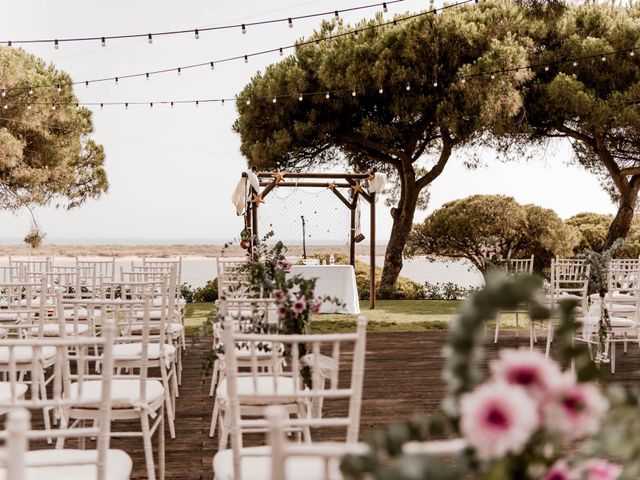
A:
[242,191]
[377,183]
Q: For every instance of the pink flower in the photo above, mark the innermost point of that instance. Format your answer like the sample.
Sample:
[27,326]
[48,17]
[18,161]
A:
[498,418]
[278,295]
[280,264]
[575,409]
[530,369]
[315,308]
[559,471]
[598,469]
[282,311]
[299,306]
[287,265]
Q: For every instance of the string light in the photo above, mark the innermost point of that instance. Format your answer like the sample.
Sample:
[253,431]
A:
[300,98]
[327,96]
[103,42]
[59,89]
[244,29]
[248,101]
[435,84]
[101,106]
[632,53]
[150,104]
[353,93]
[274,100]
[147,75]
[384,7]
[126,106]
[196,34]
[337,15]
[381,90]
[29,106]
[150,39]
[493,77]
[30,91]
[604,59]
[116,80]
[463,80]
[6,106]
[86,84]
[4,93]
[212,66]
[179,70]
[408,87]
[53,106]
[281,52]
[546,68]
[290,23]
[9,43]
[575,64]
[197,103]
[222,102]
[56,45]
[171,104]
[246,59]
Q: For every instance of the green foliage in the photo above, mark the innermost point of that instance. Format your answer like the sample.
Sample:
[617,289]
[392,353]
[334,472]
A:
[208,293]
[446,291]
[486,229]
[593,229]
[45,154]
[187,292]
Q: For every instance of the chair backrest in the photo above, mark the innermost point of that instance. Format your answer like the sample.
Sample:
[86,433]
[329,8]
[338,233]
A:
[165,265]
[22,302]
[328,455]
[622,263]
[313,374]
[12,273]
[518,266]
[570,277]
[229,265]
[32,266]
[66,349]
[105,269]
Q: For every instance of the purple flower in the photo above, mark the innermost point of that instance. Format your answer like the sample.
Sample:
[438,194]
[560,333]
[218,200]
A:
[299,306]
[498,418]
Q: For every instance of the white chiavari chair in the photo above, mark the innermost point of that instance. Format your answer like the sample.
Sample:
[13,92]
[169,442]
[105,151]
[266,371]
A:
[249,315]
[569,281]
[514,267]
[104,269]
[31,267]
[12,273]
[250,393]
[102,463]
[133,396]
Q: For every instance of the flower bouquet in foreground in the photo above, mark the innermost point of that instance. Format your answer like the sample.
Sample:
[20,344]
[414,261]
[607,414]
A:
[526,418]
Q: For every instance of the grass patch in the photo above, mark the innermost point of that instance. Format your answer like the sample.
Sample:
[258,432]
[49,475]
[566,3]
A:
[389,316]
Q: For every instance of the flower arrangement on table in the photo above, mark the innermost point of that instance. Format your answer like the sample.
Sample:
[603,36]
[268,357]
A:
[528,419]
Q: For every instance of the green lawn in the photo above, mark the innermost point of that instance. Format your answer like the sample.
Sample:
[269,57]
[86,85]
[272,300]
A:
[389,316]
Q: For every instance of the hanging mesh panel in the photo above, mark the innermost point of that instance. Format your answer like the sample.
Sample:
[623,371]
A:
[326,220]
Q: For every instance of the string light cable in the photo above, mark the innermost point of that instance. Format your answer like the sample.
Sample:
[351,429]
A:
[243,27]
[245,57]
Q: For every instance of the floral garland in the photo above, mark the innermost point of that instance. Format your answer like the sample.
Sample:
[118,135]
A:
[521,422]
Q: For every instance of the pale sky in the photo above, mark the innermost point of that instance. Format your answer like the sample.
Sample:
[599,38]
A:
[172,171]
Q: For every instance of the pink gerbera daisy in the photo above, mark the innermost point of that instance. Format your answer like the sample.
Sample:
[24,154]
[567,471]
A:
[299,306]
[498,418]
[598,469]
[575,409]
[530,369]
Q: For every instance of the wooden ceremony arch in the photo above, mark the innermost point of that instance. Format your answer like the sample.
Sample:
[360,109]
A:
[337,183]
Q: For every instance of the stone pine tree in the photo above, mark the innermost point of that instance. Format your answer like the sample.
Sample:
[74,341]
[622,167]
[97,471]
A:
[46,155]
[593,101]
[396,100]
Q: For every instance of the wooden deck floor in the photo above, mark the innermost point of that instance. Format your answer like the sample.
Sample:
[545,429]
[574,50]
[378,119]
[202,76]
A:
[403,376]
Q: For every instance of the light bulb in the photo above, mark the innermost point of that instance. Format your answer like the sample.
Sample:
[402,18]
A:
[244,29]
[103,42]
[632,53]
[281,52]
[179,70]
[86,83]
[212,65]
[493,77]
[408,87]
[327,96]
[355,33]
[575,64]
[59,89]
[248,101]
[384,7]
[222,102]
[77,105]
[9,43]
[126,106]
[29,106]
[274,99]
[464,80]
[353,94]
[56,45]
[6,106]
[337,15]
[290,23]
[435,84]
[146,75]
[150,39]
[4,93]
[171,104]
[116,80]
[604,59]
[197,103]
[150,104]
[30,91]
[546,68]
[300,98]
[101,106]
[246,59]
[197,34]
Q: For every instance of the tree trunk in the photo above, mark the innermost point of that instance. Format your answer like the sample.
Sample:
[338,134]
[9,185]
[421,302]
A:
[402,224]
[621,224]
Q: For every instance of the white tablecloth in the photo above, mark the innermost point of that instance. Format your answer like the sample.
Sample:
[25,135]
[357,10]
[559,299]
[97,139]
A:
[334,281]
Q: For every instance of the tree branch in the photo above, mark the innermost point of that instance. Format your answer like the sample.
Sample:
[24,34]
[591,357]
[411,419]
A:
[436,170]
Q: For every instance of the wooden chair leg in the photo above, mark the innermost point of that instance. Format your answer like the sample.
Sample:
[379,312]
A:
[495,337]
[161,456]
[148,447]
[214,418]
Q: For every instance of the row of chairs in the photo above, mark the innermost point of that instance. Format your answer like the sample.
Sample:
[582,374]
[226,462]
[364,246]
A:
[300,387]
[148,336]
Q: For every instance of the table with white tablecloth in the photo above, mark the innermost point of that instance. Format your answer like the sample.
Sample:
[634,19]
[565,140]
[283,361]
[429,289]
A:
[334,281]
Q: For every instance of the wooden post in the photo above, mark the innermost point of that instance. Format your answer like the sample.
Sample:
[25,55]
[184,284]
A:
[372,253]
[254,218]
[352,239]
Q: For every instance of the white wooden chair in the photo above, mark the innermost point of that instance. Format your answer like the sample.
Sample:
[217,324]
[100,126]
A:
[103,463]
[133,396]
[304,384]
[30,267]
[249,315]
[569,281]
[515,266]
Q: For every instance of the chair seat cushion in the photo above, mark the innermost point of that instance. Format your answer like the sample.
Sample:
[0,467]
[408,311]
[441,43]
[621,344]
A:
[125,393]
[265,386]
[154,328]
[25,354]
[53,329]
[5,390]
[119,465]
[133,351]
[616,322]
[256,465]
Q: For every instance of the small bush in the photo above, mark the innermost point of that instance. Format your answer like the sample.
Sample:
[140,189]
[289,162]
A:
[447,291]
[208,293]
[186,292]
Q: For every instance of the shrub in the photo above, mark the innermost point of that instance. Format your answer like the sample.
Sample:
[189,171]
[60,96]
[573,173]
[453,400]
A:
[447,291]
[186,292]
[208,293]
